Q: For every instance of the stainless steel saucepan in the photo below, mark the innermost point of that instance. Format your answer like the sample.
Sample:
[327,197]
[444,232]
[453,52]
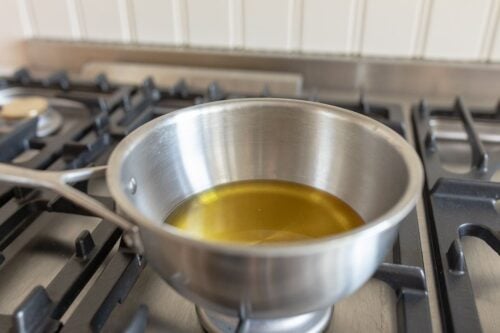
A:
[172,157]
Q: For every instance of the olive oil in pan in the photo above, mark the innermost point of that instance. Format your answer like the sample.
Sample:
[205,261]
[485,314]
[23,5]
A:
[263,211]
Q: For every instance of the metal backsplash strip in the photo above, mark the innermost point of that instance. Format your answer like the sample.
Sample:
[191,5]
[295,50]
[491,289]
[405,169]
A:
[236,81]
[369,75]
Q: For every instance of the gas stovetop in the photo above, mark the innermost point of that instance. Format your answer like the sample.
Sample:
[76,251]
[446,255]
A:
[62,269]
[462,193]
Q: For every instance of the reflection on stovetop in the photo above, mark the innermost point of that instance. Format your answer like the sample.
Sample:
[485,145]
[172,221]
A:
[62,270]
[452,140]
[38,255]
[168,312]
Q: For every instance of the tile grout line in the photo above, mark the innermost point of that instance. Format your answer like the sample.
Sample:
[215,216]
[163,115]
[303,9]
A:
[416,29]
[26,17]
[179,8]
[81,18]
[301,37]
[350,26]
[231,24]
[235,23]
[423,28]
[123,17]
[361,26]
[356,26]
[490,31]
[294,25]
[494,38]
[242,25]
[74,19]
[131,20]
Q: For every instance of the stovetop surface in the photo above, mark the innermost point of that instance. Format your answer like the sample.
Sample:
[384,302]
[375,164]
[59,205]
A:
[109,288]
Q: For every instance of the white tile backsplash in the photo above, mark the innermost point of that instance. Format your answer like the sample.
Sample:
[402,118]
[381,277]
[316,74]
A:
[390,27]
[154,21]
[465,30]
[495,51]
[492,51]
[10,39]
[101,20]
[265,24]
[325,25]
[44,23]
[456,29]
[235,24]
[294,29]
[180,22]
[208,23]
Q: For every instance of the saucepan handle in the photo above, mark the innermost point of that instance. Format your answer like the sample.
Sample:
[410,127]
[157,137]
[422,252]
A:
[58,181]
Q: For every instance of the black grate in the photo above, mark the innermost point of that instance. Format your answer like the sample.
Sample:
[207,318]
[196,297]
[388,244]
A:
[106,114]
[458,205]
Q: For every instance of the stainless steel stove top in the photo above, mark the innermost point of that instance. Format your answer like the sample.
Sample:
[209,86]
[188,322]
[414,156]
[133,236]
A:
[41,251]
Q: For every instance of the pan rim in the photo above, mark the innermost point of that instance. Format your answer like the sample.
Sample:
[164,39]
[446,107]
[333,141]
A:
[389,219]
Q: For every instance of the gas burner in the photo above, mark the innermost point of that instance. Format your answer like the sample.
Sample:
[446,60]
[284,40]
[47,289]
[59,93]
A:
[25,107]
[18,109]
[313,322]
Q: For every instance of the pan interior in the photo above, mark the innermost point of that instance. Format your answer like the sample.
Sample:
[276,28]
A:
[334,150]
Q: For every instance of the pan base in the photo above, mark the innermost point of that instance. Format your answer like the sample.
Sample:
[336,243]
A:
[313,322]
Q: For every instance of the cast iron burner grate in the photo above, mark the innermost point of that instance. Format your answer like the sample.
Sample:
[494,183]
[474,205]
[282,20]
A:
[458,205]
[106,115]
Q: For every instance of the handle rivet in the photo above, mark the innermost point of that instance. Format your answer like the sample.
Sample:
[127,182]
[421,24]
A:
[132,186]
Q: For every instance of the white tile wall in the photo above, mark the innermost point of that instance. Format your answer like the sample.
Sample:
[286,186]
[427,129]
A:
[326,24]
[456,29]
[154,21]
[208,22]
[495,53]
[266,24]
[430,29]
[390,27]
[102,20]
[11,34]
[355,32]
[235,23]
[44,22]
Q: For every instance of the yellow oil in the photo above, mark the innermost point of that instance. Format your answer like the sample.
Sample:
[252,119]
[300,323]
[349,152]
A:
[263,211]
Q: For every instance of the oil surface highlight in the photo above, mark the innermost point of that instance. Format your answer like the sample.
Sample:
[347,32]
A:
[263,211]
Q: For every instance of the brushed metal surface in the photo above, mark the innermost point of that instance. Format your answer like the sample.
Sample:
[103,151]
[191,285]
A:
[188,151]
[38,254]
[323,72]
[371,308]
[233,81]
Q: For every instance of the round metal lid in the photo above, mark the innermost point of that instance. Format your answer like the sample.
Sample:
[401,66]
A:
[49,120]
[26,107]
